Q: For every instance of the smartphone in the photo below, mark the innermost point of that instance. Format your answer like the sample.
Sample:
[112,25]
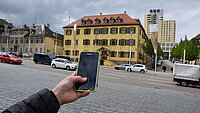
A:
[88,67]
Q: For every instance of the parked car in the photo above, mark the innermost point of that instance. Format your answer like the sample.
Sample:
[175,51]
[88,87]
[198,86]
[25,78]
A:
[64,57]
[26,55]
[159,63]
[43,58]
[121,67]
[11,59]
[138,68]
[63,63]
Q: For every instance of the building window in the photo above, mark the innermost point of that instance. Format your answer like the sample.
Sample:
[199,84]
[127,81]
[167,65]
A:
[67,42]
[121,54]
[41,40]
[76,42]
[113,54]
[131,30]
[97,31]
[123,30]
[89,21]
[87,31]
[86,42]
[75,53]
[112,20]
[78,31]
[11,40]
[16,40]
[36,50]
[104,42]
[67,52]
[68,32]
[113,30]
[32,40]
[105,20]
[83,21]
[132,54]
[122,42]
[119,19]
[96,41]
[26,50]
[36,40]
[21,40]
[130,42]
[97,21]
[40,50]
[105,31]
[113,41]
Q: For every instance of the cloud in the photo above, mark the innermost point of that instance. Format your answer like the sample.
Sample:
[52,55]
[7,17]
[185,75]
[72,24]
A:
[56,12]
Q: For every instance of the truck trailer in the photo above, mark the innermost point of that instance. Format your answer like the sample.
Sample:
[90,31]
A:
[186,74]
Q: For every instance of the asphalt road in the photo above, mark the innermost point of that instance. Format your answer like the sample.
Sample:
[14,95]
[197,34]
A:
[119,91]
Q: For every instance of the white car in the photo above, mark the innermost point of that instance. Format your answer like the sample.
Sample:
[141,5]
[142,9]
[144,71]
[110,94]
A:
[63,63]
[138,68]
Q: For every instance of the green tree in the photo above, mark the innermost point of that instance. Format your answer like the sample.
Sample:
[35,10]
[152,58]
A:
[160,52]
[148,49]
[192,51]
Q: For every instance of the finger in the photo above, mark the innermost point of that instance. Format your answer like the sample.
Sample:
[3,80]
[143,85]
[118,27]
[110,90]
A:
[74,74]
[83,94]
[79,79]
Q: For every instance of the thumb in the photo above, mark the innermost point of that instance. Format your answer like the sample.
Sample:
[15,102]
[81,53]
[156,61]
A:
[79,79]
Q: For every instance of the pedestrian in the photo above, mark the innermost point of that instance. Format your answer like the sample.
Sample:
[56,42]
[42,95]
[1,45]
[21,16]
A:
[172,70]
[46,101]
[164,68]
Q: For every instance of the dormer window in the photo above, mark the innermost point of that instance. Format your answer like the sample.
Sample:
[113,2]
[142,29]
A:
[105,20]
[97,21]
[119,19]
[83,21]
[112,20]
[89,21]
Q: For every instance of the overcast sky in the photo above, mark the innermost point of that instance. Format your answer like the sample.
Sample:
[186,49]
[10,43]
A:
[186,13]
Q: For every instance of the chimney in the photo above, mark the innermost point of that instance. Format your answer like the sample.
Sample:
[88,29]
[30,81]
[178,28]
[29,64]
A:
[124,12]
[100,13]
[48,25]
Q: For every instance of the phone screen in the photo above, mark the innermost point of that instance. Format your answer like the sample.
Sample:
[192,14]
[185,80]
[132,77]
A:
[88,68]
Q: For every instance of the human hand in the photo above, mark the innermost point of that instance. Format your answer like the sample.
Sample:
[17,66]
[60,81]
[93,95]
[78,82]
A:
[64,90]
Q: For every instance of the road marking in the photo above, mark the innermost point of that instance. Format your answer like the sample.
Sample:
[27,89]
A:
[159,84]
[111,74]
[162,81]
[109,77]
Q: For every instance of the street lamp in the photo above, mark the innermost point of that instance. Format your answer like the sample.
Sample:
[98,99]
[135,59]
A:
[55,43]
[75,27]
[130,54]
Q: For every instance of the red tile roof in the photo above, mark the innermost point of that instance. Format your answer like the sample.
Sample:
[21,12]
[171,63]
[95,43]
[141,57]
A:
[197,37]
[126,20]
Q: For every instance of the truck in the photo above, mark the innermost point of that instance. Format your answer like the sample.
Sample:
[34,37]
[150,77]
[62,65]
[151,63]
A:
[186,74]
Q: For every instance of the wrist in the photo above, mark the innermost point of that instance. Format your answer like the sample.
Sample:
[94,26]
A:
[56,93]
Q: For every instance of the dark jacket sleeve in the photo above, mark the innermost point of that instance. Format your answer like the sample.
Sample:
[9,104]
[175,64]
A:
[44,101]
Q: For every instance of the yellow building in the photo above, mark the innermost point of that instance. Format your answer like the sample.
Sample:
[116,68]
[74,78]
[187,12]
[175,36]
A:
[114,36]
[33,39]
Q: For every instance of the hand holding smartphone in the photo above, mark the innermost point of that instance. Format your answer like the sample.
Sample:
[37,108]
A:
[88,67]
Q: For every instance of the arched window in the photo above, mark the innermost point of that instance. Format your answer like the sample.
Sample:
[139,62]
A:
[89,21]
[97,21]
[83,21]
[105,20]
[112,20]
[119,19]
